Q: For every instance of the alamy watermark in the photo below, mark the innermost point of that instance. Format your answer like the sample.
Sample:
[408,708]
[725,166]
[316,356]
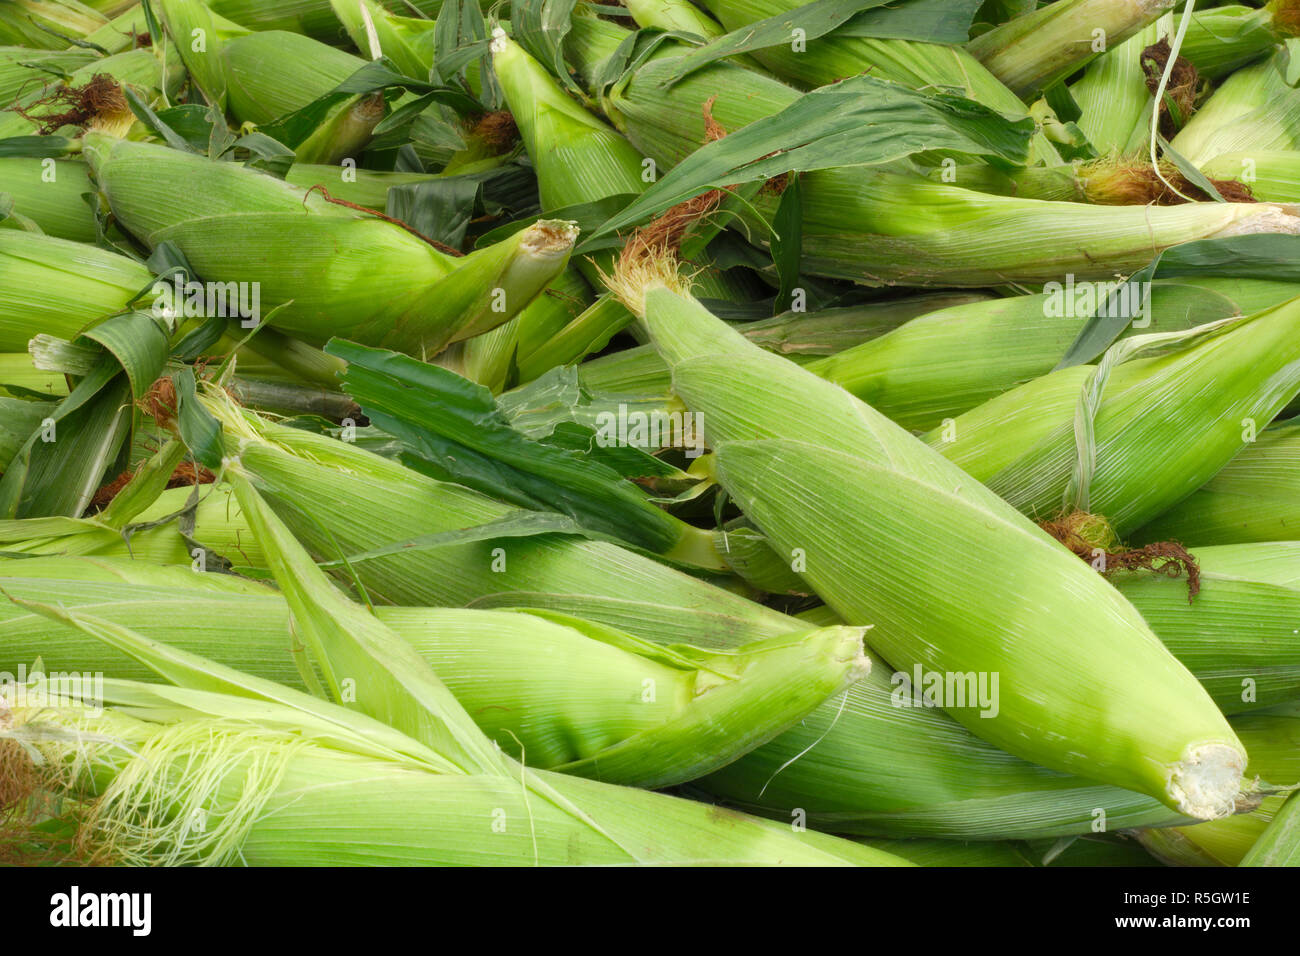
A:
[1082,300]
[651,430]
[946,689]
[54,688]
[180,298]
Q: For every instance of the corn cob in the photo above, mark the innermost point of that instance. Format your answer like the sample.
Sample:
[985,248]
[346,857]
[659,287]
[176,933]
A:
[1238,636]
[1273,175]
[18,72]
[920,232]
[889,770]
[1253,109]
[139,69]
[50,193]
[428,300]
[375,30]
[1112,95]
[1225,38]
[18,369]
[318,19]
[1254,498]
[919,65]
[283,799]
[365,187]
[403,718]
[560,693]
[925,233]
[1032,52]
[937,366]
[1192,763]
[263,76]
[44,24]
[57,287]
[1047,467]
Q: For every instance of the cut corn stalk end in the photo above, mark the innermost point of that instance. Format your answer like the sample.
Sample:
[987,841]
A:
[1207,782]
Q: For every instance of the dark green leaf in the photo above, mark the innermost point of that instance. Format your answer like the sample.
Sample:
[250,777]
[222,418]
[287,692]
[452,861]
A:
[139,344]
[540,26]
[1264,256]
[198,429]
[146,115]
[88,428]
[861,121]
[36,147]
[456,431]
[815,19]
[787,241]
[191,122]
[934,21]
[1190,172]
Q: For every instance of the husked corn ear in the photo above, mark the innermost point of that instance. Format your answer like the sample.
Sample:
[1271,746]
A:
[995,595]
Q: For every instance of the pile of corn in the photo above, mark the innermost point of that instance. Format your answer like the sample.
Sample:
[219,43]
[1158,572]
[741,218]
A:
[687,432]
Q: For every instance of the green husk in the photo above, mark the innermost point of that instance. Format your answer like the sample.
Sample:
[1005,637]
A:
[922,66]
[888,758]
[558,693]
[940,365]
[1112,96]
[263,76]
[758,411]
[365,187]
[1038,446]
[1238,635]
[58,287]
[1255,497]
[316,259]
[1225,38]
[1273,175]
[51,193]
[375,30]
[23,69]
[44,24]
[881,227]
[1274,741]
[218,779]
[1254,109]
[155,81]
[1279,845]
[1032,52]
